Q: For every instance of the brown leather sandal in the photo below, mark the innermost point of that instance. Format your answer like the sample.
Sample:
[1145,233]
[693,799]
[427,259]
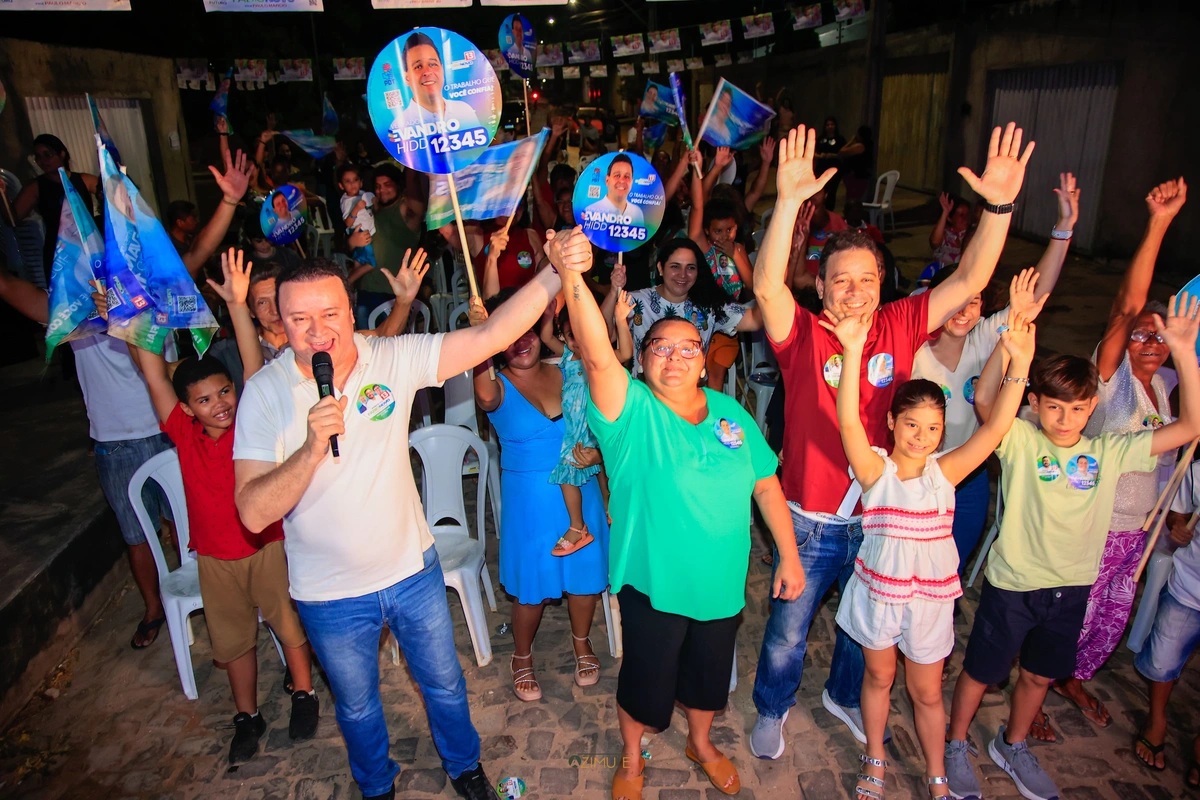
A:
[719,772]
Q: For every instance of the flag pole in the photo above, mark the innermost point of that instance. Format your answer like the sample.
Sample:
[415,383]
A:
[528,125]
[1164,502]
[466,248]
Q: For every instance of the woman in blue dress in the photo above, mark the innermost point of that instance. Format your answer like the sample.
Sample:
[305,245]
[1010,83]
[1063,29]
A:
[524,404]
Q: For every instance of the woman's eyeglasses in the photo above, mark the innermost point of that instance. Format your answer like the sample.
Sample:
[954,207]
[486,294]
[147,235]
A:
[1144,336]
[687,349]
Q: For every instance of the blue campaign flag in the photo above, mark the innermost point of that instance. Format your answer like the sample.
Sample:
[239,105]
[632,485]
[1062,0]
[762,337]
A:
[654,135]
[680,108]
[101,131]
[329,117]
[316,146]
[137,243]
[78,259]
[491,187]
[220,102]
[734,118]
[658,103]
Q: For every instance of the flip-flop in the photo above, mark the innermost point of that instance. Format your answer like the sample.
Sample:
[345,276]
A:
[144,629]
[1043,725]
[1155,751]
[1092,712]
[718,772]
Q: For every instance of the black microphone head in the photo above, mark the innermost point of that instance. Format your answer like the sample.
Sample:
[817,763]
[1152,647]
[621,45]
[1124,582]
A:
[322,367]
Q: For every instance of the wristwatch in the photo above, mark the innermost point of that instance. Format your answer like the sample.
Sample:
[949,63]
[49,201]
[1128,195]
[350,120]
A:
[1007,208]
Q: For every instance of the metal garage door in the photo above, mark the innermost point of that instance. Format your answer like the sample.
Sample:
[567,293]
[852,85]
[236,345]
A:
[1068,111]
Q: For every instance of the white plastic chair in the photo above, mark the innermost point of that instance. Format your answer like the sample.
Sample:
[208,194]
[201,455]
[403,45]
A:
[420,311]
[460,410]
[992,533]
[179,589]
[1158,569]
[882,202]
[442,449]
[446,304]
[321,237]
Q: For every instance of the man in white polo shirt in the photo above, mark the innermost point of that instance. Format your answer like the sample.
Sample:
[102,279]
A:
[360,554]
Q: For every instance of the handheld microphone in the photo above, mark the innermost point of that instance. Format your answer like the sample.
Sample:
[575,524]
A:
[322,367]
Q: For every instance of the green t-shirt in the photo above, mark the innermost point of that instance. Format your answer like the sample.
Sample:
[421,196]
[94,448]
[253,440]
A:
[680,501]
[1058,502]
[392,237]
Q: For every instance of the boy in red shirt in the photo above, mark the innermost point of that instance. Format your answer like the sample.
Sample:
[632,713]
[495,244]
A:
[241,573]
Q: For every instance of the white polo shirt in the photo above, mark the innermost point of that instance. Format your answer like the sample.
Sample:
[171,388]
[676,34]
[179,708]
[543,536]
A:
[359,527]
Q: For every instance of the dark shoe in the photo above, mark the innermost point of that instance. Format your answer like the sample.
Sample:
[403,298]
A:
[390,794]
[306,711]
[474,785]
[247,730]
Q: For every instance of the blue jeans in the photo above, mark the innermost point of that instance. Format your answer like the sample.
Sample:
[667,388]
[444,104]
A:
[827,553]
[116,462]
[970,512]
[345,635]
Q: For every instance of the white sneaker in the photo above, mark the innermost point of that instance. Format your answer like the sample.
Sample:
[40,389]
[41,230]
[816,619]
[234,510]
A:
[852,717]
[766,740]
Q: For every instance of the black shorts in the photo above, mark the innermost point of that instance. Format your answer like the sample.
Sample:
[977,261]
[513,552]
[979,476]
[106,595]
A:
[1042,626]
[669,657]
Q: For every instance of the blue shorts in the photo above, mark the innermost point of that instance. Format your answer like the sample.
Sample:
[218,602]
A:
[116,462]
[1175,634]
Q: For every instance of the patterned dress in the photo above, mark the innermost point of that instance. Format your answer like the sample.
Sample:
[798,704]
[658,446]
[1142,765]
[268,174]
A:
[574,409]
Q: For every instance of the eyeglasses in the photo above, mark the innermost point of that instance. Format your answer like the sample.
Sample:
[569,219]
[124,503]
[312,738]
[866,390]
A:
[687,349]
[1144,336]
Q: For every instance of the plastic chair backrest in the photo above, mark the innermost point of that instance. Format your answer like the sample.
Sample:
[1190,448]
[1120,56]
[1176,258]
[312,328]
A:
[460,401]
[164,470]
[378,313]
[766,217]
[885,186]
[459,318]
[418,309]
[342,261]
[459,286]
[442,449]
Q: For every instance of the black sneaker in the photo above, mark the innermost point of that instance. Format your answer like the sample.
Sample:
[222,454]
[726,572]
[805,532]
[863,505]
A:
[247,730]
[306,710]
[390,794]
[474,785]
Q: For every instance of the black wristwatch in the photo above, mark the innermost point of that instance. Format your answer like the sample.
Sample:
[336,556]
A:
[1007,208]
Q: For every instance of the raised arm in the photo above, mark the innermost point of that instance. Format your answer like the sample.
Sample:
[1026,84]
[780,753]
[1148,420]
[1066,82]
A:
[767,151]
[987,388]
[1179,332]
[938,234]
[28,299]
[547,336]
[696,218]
[608,382]
[795,183]
[621,321]
[721,160]
[223,136]
[672,184]
[851,330]
[405,285]
[491,265]
[1049,267]
[1163,202]
[232,184]
[237,285]
[999,185]
[616,283]
[1019,342]
[154,370]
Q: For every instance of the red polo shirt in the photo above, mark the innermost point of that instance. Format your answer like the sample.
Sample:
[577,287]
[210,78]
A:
[215,528]
[815,468]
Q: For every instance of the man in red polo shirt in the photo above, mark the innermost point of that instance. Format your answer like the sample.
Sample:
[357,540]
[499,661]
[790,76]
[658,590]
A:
[816,478]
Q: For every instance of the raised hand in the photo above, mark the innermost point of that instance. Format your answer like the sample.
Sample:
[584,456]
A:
[723,158]
[1179,331]
[476,313]
[946,203]
[239,171]
[1021,299]
[569,250]
[1005,168]
[407,280]
[624,305]
[99,297]
[237,278]
[617,279]
[804,221]
[1166,199]
[266,136]
[795,179]
[499,241]
[850,329]
[1068,202]
[1020,340]
[767,151]
[558,126]
[694,158]
[222,125]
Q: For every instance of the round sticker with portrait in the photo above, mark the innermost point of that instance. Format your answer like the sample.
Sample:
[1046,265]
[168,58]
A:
[729,433]
[619,200]
[832,370]
[881,369]
[376,402]
[434,100]
[1048,468]
[1082,472]
[284,214]
[969,389]
[517,44]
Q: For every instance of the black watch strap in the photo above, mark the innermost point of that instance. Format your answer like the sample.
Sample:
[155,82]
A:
[1007,208]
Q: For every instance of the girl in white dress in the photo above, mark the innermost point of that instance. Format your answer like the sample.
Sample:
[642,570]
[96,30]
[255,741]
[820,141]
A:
[906,574]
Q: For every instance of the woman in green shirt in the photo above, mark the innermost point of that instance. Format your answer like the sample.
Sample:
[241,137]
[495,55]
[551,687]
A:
[683,463]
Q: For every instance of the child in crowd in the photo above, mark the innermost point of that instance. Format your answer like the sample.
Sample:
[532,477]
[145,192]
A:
[1047,554]
[948,237]
[905,577]
[241,573]
[357,210]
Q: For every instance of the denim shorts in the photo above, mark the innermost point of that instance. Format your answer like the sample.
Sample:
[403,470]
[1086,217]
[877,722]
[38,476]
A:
[1175,634]
[116,462]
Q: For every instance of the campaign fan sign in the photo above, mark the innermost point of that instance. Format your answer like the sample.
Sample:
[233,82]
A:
[806,16]
[518,44]
[619,200]
[491,187]
[757,25]
[549,55]
[349,69]
[78,259]
[666,41]
[628,45]
[583,52]
[718,32]
[284,215]
[658,104]
[434,100]
[734,118]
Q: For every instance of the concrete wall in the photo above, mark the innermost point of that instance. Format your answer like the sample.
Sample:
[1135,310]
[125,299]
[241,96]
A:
[30,69]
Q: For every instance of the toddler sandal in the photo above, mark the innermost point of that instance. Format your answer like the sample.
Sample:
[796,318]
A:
[719,772]
[565,547]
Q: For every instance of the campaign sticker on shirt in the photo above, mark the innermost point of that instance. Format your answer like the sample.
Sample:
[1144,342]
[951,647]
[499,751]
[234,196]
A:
[881,369]
[729,433]
[376,402]
[1083,472]
[833,370]
[517,43]
[969,389]
[284,214]
[945,391]
[524,259]
[619,200]
[1048,468]
[434,100]
[1153,421]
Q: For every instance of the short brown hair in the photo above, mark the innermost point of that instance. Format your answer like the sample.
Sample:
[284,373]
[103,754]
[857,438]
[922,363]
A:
[1067,378]
[849,240]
